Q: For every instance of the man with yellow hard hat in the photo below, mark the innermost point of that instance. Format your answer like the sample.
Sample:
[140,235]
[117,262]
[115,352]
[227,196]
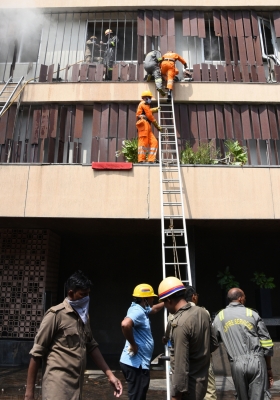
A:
[147,143]
[138,350]
[191,338]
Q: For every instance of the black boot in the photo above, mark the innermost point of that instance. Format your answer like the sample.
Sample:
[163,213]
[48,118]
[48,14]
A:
[169,96]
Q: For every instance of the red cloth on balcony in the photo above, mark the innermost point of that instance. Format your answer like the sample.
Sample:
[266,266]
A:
[112,165]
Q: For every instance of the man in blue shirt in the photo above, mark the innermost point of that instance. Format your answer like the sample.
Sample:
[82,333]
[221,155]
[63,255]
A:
[138,350]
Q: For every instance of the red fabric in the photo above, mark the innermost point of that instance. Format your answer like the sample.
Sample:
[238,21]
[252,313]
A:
[112,165]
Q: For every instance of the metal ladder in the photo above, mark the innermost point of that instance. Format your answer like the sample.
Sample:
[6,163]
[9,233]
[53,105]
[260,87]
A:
[175,252]
[8,92]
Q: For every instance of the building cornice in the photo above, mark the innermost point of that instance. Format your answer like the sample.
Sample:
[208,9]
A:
[123,5]
[205,92]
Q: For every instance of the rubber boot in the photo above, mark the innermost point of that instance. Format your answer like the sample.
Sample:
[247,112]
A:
[162,92]
[169,96]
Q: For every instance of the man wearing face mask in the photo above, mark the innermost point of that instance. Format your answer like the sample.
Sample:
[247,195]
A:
[138,350]
[62,343]
[146,139]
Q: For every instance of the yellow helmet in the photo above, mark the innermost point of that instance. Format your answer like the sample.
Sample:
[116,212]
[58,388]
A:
[108,31]
[146,93]
[143,290]
[169,286]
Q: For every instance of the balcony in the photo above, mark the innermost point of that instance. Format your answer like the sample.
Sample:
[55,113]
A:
[224,46]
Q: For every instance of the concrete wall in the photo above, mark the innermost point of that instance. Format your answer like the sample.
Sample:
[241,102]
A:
[194,92]
[76,191]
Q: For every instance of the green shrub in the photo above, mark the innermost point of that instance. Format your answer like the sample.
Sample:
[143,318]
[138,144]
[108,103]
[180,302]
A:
[129,150]
[236,154]
[227,280]
[204,154]
[262,281]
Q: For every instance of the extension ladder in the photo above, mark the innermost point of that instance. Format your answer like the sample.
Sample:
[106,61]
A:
[8,92]
[175,252]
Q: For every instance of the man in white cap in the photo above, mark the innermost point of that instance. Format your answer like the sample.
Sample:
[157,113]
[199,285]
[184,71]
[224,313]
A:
[190,336]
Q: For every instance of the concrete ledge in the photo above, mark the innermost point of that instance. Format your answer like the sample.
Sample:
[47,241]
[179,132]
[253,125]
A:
[89,92]
[76,191]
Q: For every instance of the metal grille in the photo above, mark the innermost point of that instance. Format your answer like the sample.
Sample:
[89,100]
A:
[28,269]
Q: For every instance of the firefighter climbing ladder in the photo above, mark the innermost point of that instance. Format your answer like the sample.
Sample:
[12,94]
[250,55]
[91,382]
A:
[175,252]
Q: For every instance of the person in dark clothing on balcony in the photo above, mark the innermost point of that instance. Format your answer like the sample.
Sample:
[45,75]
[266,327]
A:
[109,55]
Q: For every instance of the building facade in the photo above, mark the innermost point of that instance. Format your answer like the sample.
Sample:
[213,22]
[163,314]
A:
[78,105]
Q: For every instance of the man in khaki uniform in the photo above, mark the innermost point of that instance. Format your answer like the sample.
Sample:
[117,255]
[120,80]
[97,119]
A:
[192,299]
[191,338]
[62,343]
[89,49]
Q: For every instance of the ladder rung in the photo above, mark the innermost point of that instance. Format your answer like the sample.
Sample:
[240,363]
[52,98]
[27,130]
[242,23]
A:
[170,180]
[173,216]
[168,142]
[171,191]
[177,247]
[172,203]
[175,263]
[168,151]
[175,231]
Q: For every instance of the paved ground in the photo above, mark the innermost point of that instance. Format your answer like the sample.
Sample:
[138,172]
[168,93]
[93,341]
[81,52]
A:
[12,386]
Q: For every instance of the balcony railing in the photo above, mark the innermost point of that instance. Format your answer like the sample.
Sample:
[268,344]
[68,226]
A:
[242,46]
[82,134]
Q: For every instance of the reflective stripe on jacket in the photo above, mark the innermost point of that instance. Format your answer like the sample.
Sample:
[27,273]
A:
[242,331]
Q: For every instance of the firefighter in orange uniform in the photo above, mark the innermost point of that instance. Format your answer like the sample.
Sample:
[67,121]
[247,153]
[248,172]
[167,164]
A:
[169,70]
[146,139]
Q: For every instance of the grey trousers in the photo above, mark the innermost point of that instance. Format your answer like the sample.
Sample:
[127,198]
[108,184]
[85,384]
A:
[249,375]
[155,71]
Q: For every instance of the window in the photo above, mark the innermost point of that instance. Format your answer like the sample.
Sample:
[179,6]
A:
[126,32]
[213,45]
[268,38]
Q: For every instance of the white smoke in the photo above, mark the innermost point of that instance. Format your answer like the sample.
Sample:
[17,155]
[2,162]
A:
[20,33]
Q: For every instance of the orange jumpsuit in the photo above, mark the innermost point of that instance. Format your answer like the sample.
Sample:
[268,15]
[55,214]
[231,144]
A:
[168,67]
[146,139]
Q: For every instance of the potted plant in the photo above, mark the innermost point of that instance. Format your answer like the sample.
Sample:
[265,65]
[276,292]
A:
[129,150]
[263,293]
[226,281]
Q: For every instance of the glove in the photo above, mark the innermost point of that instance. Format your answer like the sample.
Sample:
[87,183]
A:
[156,108]
[159,128]
[185,66]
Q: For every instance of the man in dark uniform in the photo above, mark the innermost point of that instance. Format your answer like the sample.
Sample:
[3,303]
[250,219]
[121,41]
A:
[151,65]
[109,55]
[249,347]
[191,338]
[63,341]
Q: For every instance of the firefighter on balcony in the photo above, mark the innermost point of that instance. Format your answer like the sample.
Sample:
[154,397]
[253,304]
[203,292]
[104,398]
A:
[146,140]
[109,55]
[90,45]
[152,67]
[169,70]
